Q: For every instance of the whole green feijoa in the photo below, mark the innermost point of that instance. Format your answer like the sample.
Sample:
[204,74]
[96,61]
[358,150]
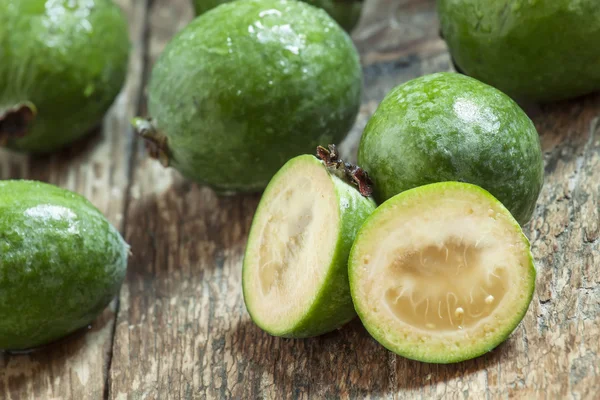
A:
[63,64]
[532,50]
[450,127]
[247,86]
[61,263]
[345,12]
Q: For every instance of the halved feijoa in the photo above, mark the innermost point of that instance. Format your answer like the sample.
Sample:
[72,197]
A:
[441,273]
[295,273]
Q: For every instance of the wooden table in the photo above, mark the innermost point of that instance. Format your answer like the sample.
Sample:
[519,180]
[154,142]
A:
[180,328]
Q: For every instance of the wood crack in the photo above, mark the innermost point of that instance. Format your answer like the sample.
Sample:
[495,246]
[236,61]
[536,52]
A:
[142,35]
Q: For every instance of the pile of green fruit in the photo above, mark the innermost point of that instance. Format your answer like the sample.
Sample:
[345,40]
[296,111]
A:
[422,240]
[439,272]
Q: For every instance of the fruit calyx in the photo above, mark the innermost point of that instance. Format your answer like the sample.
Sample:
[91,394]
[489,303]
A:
[156,143]
[15,121]
[350,172]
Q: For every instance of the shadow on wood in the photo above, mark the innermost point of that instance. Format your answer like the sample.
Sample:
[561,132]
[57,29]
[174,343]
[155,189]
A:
[68,353]
[345,362]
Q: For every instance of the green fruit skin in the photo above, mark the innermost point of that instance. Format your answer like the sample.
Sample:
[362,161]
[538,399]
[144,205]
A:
[450,127]
[235,105]
[346,12]
[61,263]
[333,305]
[68,58]
[413,352]
[532,50]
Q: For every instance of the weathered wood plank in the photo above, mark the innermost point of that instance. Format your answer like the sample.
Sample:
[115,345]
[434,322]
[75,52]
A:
[98,168]
[182,329]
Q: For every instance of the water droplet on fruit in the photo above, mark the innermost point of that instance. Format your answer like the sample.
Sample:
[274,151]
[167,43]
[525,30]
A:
[489,299]
[274,12]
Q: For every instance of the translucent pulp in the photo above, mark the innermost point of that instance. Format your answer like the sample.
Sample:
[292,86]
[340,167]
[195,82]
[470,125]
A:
[291,245]
[441,273]
[286,237]
[444,287]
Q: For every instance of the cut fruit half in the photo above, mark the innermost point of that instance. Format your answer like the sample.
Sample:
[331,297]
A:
[295,273]
[441,273]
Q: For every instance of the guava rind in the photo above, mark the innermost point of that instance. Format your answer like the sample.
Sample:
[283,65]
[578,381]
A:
[333,305]
[68,59]
[346,12]
[249,85]
[450,127]
[410,350]
[61,263]
[537,51]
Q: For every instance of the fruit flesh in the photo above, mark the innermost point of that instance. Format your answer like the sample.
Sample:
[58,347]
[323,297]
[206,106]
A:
[450,127]
[531,50]
[61,263]
[449,276]
[460,290]
[249,85]
[295,275]
[302,219]
[67,59]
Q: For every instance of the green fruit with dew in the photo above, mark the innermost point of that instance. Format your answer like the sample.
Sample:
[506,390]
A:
[532,50]
[61,263]
[63,64]
[450,127]
[247,86]
[441,273]
[345,12]
[295,272]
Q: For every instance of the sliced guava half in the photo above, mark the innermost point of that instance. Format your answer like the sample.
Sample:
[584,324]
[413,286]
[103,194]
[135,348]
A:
[441,273]
[295,270]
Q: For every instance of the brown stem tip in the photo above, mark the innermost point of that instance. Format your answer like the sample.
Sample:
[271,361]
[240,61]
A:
[353,173]
[15,121]
[156,144]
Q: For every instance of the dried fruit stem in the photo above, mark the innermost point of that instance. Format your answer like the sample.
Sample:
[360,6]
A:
[15,121]
[156,143]
[352,173]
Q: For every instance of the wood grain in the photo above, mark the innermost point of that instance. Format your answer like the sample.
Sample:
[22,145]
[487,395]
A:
[98,168]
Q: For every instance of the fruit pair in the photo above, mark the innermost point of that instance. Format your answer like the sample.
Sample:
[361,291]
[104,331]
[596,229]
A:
[440,271]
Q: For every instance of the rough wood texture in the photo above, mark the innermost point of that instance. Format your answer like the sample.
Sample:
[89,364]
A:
[182,330]
[98,168]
